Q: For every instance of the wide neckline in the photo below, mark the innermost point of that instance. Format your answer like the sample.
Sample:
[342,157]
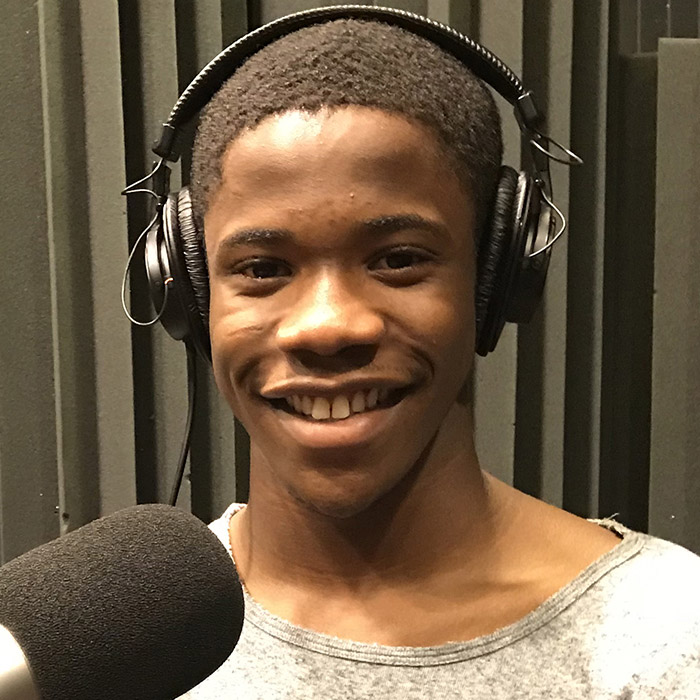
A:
[451,652]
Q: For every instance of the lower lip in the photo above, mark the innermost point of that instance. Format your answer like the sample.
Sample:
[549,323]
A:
[353,431]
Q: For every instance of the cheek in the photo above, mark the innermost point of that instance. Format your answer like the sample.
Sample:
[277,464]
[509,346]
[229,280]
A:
[236,331]
[447,317]
[448,329]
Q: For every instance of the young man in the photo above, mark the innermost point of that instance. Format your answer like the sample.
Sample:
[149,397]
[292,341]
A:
[342,178]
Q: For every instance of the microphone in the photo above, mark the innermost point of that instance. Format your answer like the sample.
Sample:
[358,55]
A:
[141,605]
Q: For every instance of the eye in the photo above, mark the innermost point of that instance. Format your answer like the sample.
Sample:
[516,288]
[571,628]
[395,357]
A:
[401,264]
[262,269]
[397,260]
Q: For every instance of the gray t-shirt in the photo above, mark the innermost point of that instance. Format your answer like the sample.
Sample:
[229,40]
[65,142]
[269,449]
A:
[628,626]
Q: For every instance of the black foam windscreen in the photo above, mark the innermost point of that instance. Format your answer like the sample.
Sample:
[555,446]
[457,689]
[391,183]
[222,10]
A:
[141,605]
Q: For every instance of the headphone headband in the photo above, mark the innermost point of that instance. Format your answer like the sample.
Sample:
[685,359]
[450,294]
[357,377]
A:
[514,252]
[480,61]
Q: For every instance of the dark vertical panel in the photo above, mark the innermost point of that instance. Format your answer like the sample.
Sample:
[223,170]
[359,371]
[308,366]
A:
[106,211]
[235,20]
[501,31]
[28,445]
[150,88]
[69,246]
[527,468]
[628,26]
[627,316]
[266,10]
[684,18]
[199,38]
[542,342]
[462,15]
[654,16]
[420,7]
[585,263]
[675,410]
[558,73]
[138,211]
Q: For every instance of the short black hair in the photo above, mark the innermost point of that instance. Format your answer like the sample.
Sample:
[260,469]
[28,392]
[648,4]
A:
[364,63]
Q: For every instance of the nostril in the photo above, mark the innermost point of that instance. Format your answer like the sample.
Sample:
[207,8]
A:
[351,357]
[330,327]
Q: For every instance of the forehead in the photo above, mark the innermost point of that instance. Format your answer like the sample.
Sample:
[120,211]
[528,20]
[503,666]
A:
[350,161]
[355,138]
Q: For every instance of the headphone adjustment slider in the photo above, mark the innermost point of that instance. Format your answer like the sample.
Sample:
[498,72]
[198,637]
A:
[527,112]
[161,183]
[165,146]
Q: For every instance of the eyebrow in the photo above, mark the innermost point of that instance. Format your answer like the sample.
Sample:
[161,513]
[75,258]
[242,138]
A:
[256,236]
[385,225]
[379,226]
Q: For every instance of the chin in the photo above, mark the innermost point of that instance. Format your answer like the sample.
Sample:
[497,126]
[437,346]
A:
[341,498]
[338,510]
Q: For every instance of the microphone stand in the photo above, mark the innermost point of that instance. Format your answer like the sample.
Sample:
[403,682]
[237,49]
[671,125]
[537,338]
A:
[16,682]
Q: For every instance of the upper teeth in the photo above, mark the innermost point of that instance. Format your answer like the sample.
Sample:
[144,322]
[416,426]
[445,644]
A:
[339,407]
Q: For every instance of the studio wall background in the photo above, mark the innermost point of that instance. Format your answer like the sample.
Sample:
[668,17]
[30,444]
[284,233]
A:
[594,406]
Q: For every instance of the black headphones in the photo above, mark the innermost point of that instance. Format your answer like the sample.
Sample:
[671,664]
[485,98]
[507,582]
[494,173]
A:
[516,244]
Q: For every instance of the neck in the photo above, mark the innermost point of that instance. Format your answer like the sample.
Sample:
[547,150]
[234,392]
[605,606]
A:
[443,516]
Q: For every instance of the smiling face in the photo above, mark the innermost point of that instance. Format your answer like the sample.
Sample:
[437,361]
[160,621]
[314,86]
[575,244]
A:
[340,248]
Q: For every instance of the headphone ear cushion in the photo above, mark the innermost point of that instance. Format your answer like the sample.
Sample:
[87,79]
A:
[195,260]
[493,252]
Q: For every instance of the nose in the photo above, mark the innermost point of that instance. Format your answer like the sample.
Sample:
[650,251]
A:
[329,315]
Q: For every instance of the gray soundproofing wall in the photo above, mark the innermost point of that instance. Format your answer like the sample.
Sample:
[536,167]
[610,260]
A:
[594,406]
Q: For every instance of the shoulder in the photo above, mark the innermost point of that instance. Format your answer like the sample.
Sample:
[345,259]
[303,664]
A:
[658,572]
[647,585]
[642,616]
[632,616]
[220,526]
[631,584]
[665,579]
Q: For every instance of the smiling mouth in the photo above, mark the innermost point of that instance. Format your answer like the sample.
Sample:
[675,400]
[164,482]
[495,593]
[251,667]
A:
[341,407]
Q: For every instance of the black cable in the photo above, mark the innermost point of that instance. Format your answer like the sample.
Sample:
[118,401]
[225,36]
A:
[191,393]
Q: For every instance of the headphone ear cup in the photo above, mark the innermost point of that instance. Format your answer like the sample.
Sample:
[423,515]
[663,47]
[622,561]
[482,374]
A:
[196,263]
[187,317]
[494,251]
[535,225]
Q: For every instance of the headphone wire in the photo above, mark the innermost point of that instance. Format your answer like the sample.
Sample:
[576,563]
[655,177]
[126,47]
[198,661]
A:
[191,394]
